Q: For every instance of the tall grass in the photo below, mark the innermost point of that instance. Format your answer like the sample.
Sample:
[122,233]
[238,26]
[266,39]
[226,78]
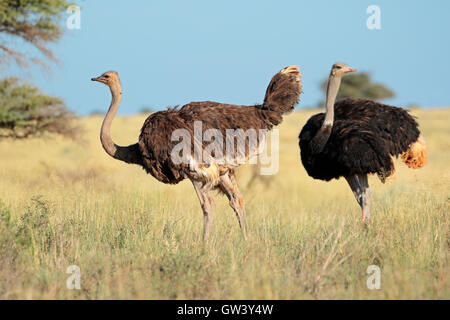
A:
[66,204]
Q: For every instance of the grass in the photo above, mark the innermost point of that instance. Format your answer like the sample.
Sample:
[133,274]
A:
[66,203]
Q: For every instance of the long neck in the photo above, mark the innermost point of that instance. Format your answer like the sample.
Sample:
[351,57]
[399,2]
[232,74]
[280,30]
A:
[334,83]
[128,154]
[105,133]
[323,134]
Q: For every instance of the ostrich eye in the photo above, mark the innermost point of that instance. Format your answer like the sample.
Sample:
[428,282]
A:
[106,76]
[338,67]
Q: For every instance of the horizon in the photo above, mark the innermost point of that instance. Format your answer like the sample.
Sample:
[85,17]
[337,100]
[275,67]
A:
[174,53]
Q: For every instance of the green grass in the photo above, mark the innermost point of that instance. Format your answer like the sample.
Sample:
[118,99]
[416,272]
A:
[134,238]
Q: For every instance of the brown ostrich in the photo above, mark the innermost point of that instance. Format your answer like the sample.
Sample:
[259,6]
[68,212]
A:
[357,137]
[154,150]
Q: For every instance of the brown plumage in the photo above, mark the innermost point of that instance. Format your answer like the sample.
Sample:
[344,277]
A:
[156,142]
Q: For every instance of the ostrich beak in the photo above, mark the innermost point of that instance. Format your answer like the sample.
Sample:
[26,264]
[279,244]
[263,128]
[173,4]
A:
[350,70]
[95,79]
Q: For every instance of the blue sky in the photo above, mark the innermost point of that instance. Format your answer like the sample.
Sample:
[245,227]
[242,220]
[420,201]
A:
[173,52]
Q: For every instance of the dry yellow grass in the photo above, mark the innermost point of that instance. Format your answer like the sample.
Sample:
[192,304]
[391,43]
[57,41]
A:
[133,237]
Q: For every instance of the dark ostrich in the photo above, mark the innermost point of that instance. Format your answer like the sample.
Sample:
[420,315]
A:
[154,150]
[357,137]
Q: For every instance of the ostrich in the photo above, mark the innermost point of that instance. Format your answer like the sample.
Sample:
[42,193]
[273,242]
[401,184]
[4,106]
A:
[357,137]
[154,149]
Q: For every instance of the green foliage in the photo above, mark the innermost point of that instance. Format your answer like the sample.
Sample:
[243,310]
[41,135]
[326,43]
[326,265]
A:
[31,230]
[5,214]
[146,109]
[36,22]
[8,250]
[360,86]
[25,111]
[135,238]
[34,224]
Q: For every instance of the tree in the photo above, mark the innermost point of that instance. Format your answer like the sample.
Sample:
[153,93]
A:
[25,112]
[360,85]
[146,109]
[35,22]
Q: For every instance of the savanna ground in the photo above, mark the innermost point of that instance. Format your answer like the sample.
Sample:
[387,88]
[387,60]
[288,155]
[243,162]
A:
[66,203]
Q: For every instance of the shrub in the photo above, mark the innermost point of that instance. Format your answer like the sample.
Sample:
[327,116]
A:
[361,86]
[25,112]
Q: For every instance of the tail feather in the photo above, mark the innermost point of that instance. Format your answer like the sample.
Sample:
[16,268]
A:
[284,90]
[416,155]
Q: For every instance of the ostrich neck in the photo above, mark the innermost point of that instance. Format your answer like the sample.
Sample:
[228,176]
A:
[323,134]
[332,91]
[105,133]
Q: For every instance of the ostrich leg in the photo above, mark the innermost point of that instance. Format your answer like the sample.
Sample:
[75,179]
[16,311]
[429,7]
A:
[228,185]
[360,187]
[207,203]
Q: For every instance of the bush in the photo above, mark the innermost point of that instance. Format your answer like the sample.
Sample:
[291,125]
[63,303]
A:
[146,110]
[34,225]
[360,86]
[25,112]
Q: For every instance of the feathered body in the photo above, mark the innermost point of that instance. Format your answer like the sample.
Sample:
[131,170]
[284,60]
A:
[155,142]
[358,137]
[363,139]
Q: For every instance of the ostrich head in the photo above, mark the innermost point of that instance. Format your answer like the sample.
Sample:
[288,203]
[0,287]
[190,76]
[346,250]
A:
[110,78]
[339,69]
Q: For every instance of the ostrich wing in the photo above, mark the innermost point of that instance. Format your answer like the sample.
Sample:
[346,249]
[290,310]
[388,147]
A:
[357,149]
[395,126]
[156,145]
